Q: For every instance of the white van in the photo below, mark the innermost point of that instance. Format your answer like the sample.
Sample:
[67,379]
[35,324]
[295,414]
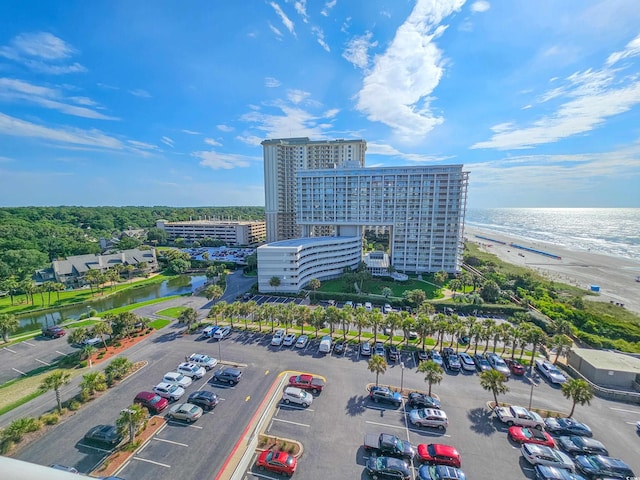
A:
[325,345]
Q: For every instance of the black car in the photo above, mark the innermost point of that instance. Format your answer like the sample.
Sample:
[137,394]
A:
[420,400]
[388,468]
[204,398]
[575,445]
[338,348]
[105,434]
[545,472]
[230,375]
[53,332]
[566,426]
[393,354]
[599,466]
[451,359]
[423,356]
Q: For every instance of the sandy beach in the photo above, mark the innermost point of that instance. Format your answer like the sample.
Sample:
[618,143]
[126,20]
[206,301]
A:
[615,276]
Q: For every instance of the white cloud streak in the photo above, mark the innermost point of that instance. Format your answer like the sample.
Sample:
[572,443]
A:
[480,6]
[286,21]
[42,52]
[168,141]
[326,10]
[224,128]
[357,50]
[212,142]
[271,82]
[138,92]
[222,161]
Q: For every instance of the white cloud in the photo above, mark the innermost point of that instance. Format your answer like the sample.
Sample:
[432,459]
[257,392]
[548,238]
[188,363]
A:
[397,90]
[301,8]
[297,96]
[190,132]
[374,148]
[590,97]
[327,7]
[42,52]
[331,113]
[212,142]
[12,90]
[288,121]
[275,30]
[357,49]
[286,21]
[480,6]
[6,159]
[632,49]
[143,145]
[168,141]
[250,140]
[319,34]
[222,161]
[138,92]
[271,82]
[224,128]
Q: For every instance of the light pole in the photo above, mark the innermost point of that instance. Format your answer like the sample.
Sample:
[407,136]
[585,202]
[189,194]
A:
[131,426]
[219,350]
[401,377]
[533,384]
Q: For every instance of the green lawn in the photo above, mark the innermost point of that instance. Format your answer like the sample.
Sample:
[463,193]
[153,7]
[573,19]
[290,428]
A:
[133,306]
[375,286]
[173,312]
[159,323]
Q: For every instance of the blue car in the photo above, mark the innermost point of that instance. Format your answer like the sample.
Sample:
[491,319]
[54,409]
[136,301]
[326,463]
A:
[545,472]
[440,472]
[566,426]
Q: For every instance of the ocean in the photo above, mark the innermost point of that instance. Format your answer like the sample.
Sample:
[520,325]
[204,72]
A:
[609,231]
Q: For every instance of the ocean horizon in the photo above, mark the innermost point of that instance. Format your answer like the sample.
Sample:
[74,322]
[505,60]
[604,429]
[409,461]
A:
[608,231]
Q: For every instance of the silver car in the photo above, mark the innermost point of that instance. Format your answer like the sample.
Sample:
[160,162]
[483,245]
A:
[185,411]
[429,417]
[543,455]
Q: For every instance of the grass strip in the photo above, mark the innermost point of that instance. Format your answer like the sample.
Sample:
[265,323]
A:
[173,312]
[159,323]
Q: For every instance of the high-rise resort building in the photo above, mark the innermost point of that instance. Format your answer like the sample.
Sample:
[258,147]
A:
[240,233]
[423,208]
[283,157]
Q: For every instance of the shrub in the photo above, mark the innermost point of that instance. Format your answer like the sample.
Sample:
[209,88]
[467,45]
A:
[19,427]
[93,313]
[83,364]
[5,445]
[74,405]
[50,418]
[84,396]
[117,345]
[101,355]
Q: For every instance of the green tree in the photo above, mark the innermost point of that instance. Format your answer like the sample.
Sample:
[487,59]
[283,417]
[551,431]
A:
[578,391]
[377,364]
[561,343]
[275,282]
[93,382]
[78,335]
[117,369]
[433,373]
[102,329]
[314,284]
[188,316]
[493,381]
[132,420]
[441,277]
[213,292]
[9,323]
[55,381]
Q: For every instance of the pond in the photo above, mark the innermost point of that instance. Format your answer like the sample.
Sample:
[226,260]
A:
[173,286]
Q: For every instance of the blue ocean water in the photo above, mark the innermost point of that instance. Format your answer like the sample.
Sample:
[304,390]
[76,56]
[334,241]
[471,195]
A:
[609,231]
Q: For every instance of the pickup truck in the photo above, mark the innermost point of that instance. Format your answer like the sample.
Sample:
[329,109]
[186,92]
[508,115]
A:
[519,416]
[388,445]
[307,382]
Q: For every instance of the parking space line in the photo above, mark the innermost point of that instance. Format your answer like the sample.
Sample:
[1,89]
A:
[16,370]
[294,407]
[61,353]
[42,361]
[631,423]
[171,422]
[402,427]
[382,409]
[259,475]
[30,344]
[151,461]
[12,351]
[170,441]
[417,430]
[292,423]
[623,410]
[94,448]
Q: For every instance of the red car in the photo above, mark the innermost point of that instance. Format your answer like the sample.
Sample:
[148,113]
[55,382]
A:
[154,402]
[531,435]
[438,454]
[307,382]
[515,366]
[277,461]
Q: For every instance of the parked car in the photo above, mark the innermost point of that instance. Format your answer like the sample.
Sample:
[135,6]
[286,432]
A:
[531,435]
[438,454]
[338,348]
[298,396]
[91,342]
[567,426]
[203,360]
[428,417]
[191,370]
[307,382]
[543,455]
[378,349]
[151,401]
[175,378]
[420,400]
[387,308]
[599,466]
[467,362]
[497,363]
[440,472]
[391,468]
[302,341]
[289,339]
[209,331]
[187,412]
[205,399]
[422,355]
[435,356]
[230,375]
[575,445]
[365,349]
[383,394]
[222,332]
[368,306]
[325,344]
[515,366]
[515,415]
[545,472]
[277,461]
[386,444]
[278,338]
[482,364]
[452,361]
[550,371]
[105,434]
[393,354]
[54,331]
[169,391]
[64,468]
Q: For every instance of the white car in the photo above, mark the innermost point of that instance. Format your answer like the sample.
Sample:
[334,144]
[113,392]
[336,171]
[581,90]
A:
[278,338]
[550,371]
[203,360]
[497,363]
[467,362]
[289,340]
[387,308]
[191,370]
[92,341]
[298,396]
[368,307]
[168,391]
[222,333]
[302,341]
[429,417]
[543,455]
[175,378]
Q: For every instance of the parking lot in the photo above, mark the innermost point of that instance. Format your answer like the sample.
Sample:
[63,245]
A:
[332,428]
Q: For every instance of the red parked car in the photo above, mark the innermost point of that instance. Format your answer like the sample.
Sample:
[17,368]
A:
[277,461]
[531,435]
[438,454]
[515,366]
[154,402]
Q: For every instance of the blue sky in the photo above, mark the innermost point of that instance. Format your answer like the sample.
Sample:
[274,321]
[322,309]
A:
[166,102]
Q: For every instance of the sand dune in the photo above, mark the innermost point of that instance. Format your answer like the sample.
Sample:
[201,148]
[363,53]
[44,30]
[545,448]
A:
[615,276]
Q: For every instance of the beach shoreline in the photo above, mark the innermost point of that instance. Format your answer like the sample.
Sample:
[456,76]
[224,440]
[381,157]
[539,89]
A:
[615,277]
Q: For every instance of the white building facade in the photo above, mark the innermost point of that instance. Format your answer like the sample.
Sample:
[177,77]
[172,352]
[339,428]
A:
[232,233]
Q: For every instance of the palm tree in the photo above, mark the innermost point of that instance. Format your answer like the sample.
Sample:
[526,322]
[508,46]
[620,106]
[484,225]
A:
[433,373]
[536,337]
[302,317]
[8,324]
[394,320]
[488,326]
[101,329]
[93,382]
[315,284]
[58,287]
[188,316]
[132,420]
[425,327]
[375,320]
[87,351]
[275,282]
[361,320]
[377,364]
[475,333]
[560,325]
[578,391]
[408,324]
[332,317]
[345,319]
[77,335]
[493,381]
[10,284]
[213,292]
[55,382]
[318,319]
[561,343]
[117,368]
